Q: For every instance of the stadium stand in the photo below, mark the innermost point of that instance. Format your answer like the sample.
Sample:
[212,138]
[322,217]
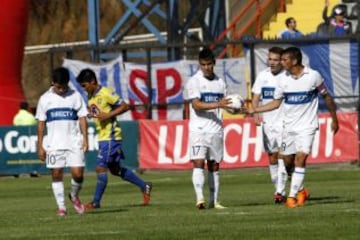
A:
[308,14]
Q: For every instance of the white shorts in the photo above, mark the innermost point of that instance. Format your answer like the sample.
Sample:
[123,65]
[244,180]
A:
[293,142]
[271,138]
[209,146]
[65,158]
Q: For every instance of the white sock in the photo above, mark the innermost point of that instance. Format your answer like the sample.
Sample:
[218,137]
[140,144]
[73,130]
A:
[297,180]
[282,178]
[198,180]
[58,190]
[274,173]
[75,188]
[214,185]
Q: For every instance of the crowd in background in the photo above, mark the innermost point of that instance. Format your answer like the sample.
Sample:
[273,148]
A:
[337,24]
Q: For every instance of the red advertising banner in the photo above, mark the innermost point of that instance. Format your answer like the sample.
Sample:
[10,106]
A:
[163,144]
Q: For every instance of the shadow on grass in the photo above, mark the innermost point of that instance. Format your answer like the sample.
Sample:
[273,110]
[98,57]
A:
[327,200]
[114,210]
[135,205]
[310,201]
[106,210]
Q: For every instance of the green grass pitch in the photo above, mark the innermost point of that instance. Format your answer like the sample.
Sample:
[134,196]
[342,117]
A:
[28,209]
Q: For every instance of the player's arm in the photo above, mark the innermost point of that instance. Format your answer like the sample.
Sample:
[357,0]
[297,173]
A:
[274,104]
[40,135]
[325,11]
[186,109]
[117,110]
[332,109]
[199,105]
[83,127]
[255,103]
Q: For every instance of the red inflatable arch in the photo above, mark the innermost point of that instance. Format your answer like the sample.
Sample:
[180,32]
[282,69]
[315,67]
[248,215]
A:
[13,24]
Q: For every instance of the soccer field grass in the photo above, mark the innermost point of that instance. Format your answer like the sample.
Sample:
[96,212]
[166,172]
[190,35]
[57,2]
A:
[28,209]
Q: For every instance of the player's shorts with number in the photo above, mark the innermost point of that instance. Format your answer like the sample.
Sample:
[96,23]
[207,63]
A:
[65,158]
[208,146]
[301,141]
[271,137]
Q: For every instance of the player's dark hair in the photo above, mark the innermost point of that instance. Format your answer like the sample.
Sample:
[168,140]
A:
[206,54]
[276,50]
[86,75]
[294,53]
[60,75]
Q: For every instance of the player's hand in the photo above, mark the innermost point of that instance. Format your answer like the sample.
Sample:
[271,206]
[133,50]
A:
[257,120]
[335,126]
[224,103]
[101,116]
[248,110]
[41,153]
[85,146]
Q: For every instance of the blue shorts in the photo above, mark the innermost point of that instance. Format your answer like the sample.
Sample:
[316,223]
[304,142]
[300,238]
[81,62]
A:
[110,152]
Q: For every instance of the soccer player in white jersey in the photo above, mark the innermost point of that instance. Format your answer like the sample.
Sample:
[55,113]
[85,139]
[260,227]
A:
[62,112]
[263,92]
[298,89]
[205,91]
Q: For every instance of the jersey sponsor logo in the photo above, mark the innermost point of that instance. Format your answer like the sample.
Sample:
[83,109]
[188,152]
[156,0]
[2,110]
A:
[94,109]
[56,114]
[268,92]
[300,97]
[211,97]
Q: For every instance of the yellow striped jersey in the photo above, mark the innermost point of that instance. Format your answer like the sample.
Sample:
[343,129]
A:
[104,100]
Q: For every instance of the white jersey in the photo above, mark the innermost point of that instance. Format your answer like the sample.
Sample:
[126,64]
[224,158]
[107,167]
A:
[300,99]
[61,114]
[264,86]
[205,121]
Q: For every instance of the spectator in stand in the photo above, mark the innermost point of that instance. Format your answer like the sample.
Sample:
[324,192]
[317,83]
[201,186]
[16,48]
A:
[355,12]
[290,31]
[24,116]
[338,25]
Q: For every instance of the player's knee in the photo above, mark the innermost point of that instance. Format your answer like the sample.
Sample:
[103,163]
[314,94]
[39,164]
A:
[78,179]
[290,169]
[115,170]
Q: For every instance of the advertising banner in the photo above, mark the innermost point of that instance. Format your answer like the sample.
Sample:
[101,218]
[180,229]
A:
[336,61]
[164,144]
[131,82]
[18,147]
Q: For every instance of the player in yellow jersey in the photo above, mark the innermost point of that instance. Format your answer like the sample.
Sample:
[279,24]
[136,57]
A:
[104,105]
